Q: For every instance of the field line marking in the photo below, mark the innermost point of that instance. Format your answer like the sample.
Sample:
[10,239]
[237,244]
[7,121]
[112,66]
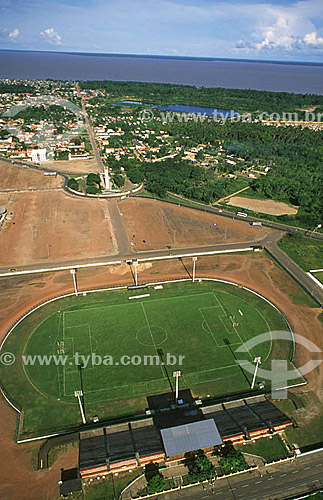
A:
[128,304]
[208,326]
[55,343]
[152,338]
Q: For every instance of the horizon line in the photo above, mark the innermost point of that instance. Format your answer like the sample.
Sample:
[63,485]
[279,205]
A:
[163,56]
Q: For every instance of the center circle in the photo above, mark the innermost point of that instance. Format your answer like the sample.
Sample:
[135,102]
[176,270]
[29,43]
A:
[151,335]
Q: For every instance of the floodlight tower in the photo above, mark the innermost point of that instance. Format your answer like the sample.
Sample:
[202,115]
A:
[78,395]
[258,362]
[73,272]
[135,265]
[194,259]
[176,375]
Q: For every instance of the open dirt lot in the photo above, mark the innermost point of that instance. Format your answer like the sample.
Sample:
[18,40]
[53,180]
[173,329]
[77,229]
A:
[162,225]
[18,294]
[264,206]
[73,166]
[17,177]
[55,224]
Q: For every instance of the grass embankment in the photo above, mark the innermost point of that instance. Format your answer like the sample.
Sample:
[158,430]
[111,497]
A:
[306,252]
[269,449]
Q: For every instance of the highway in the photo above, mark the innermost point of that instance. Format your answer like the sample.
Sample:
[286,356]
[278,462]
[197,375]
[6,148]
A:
[226,213]
[281,481]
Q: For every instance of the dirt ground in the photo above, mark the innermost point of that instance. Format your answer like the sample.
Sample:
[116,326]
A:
[17,294]
[55,224]
[264,206]
[153,225]
[17,177]
[72,166]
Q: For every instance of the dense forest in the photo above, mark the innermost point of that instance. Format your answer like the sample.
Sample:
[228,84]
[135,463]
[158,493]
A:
[220,98]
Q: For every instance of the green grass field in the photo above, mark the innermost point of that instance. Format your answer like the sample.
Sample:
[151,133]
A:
[194,320]
[306,252]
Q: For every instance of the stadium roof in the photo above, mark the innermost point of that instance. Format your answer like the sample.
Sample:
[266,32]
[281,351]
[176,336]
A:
[190,437]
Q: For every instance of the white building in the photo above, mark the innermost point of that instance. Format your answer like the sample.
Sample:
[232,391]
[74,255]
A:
[38,155]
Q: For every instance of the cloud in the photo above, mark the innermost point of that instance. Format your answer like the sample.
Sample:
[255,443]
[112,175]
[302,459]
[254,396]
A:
[51,36]
[285,29]
[14,34]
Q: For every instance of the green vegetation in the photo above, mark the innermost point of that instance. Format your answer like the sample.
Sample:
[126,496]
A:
[109,488]
[17,88]
[198,321]
[308,419]
[232,460]
[199,468]
[220,98]
[269,449]
[73,184]
[93,182]
[156,483]
[306,252]
[61,154]
[319,276]
[292,154]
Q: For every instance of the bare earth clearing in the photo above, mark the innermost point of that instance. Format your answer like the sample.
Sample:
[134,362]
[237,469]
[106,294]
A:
[72,166]
[264,206]
[17,177]
[162,225]
[53,223]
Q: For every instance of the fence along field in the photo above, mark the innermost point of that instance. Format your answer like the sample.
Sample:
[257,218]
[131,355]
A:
[202,322]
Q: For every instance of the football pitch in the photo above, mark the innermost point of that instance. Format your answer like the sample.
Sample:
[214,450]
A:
[119,347]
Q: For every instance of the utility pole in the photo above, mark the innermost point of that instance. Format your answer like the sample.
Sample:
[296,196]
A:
[73,272]
[78,395]
[194,259]
[135,265]
[48,245]
[176,375]
[258,362]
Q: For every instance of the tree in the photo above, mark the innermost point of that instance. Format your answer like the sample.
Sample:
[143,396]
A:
[233,461]
[93,189]
[73,184]
[118,180]
[200,468]
[156,483]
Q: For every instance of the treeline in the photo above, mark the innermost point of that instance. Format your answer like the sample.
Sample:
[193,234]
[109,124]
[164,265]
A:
[21,88]
[220,98]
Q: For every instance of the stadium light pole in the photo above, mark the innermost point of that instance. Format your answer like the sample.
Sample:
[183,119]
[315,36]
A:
[135,265]
[194,259]
[78,395]
[73,272]
[176,375]
[258,362]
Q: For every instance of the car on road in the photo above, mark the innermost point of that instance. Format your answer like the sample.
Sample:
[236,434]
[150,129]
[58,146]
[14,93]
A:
[241,214]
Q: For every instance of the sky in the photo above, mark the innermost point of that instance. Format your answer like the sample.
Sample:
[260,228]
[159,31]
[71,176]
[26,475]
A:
[241,29]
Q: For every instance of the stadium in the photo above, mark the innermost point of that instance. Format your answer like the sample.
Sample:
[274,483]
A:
[102,355]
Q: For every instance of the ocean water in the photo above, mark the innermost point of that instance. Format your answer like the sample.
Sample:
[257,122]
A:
[260,75]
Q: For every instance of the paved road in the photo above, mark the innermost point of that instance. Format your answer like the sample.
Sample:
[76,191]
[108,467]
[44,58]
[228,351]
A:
[266,223]
[106,260]
[277,482]
[91,135]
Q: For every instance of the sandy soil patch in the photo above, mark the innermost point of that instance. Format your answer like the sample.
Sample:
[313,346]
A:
[73,166]
[153,225]
[53,227]
[264,206]
[16,177]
